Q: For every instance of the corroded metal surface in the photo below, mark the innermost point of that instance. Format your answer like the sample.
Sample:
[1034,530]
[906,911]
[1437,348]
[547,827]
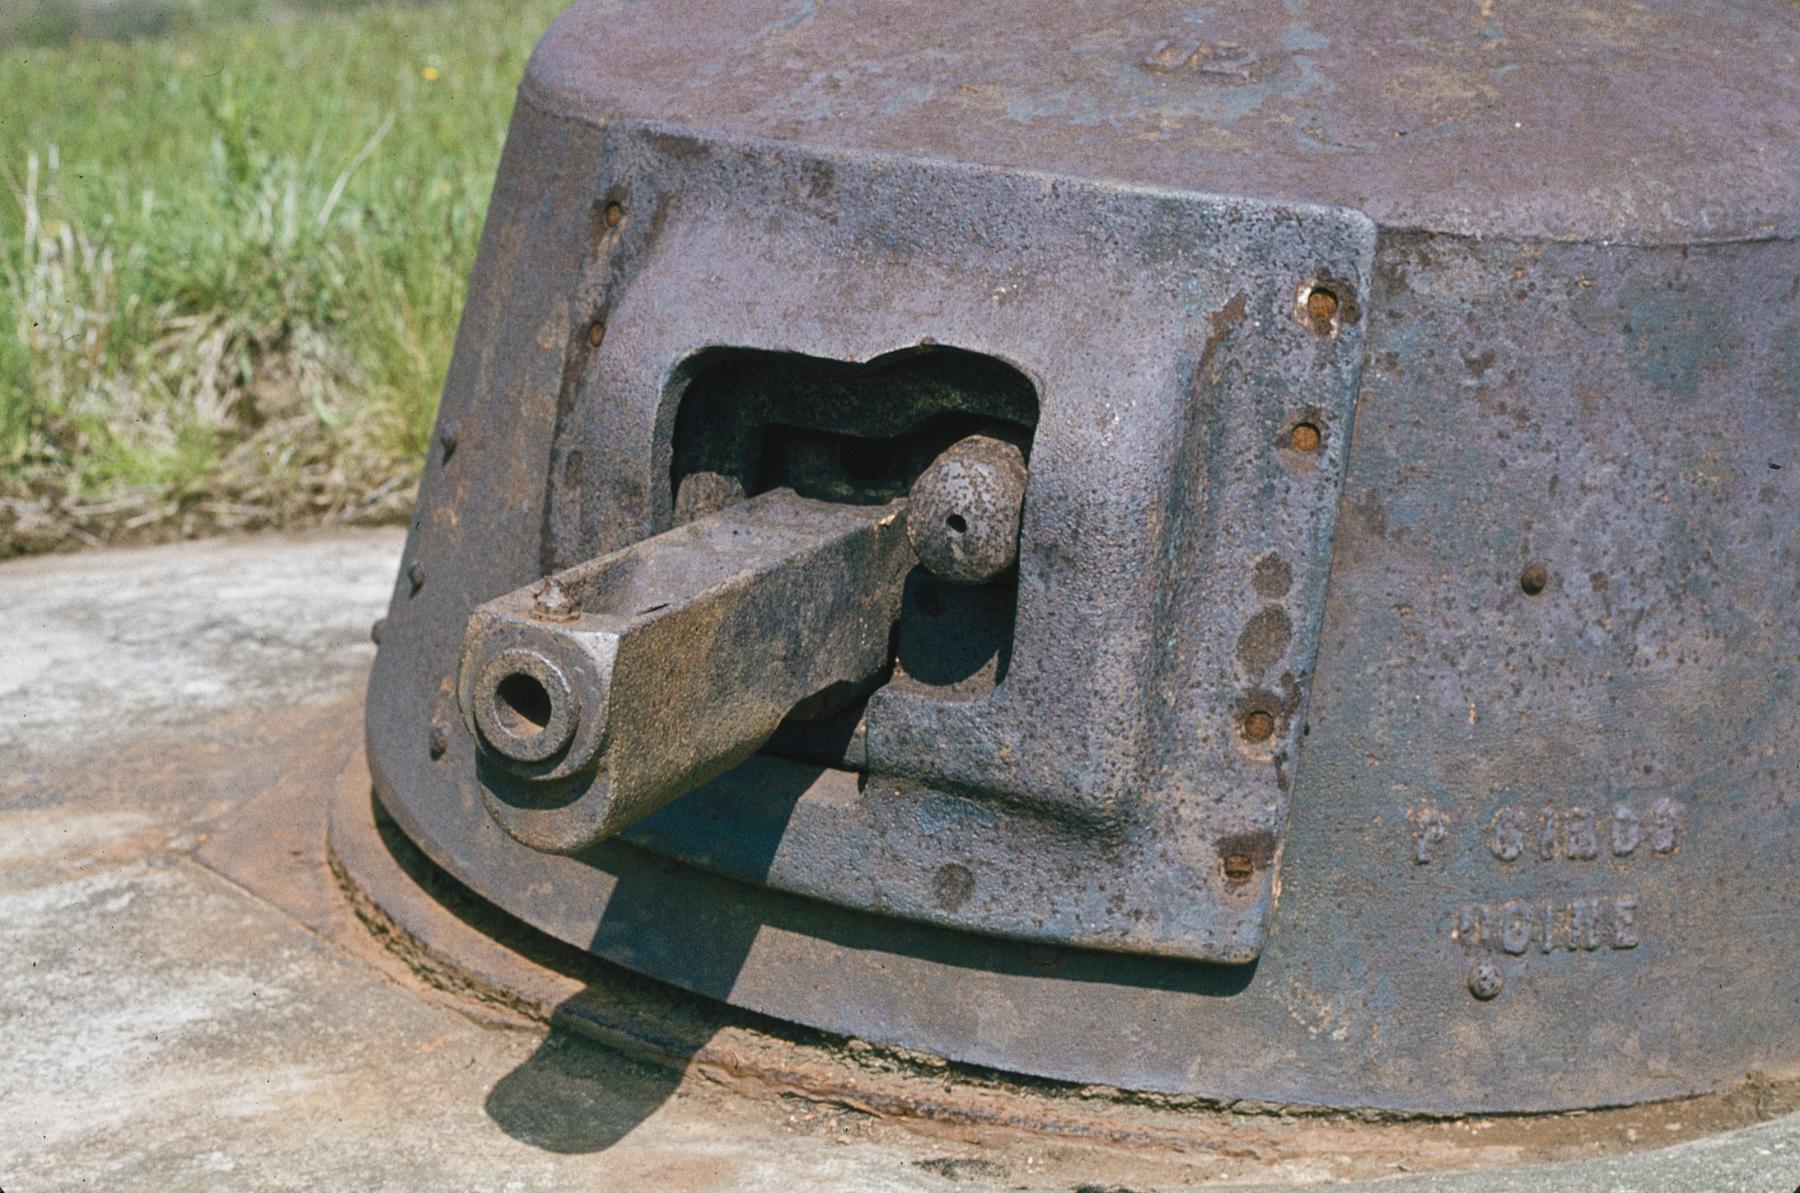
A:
[1073,1135]
[1657,123]
[664,664]
[1171,557]
[963,516]
[1538,824]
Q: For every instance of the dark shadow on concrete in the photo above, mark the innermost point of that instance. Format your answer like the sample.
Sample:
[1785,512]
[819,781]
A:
[615,1052]
[574,1096]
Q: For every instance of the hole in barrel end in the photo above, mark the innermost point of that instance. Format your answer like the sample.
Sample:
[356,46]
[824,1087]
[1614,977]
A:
[522,705]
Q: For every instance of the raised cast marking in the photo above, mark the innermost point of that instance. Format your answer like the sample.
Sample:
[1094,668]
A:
[1580,925]
[1219,61]
[1431,829]
[1580,833]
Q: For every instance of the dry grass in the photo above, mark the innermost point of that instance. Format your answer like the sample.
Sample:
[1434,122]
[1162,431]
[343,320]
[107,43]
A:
[230,281]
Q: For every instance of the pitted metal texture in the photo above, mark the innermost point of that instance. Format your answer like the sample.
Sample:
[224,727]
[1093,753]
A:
[667,662]
[1105,756]
[963,519]
[1499,820]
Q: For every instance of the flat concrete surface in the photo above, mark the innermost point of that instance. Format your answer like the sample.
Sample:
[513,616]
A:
[164,1027]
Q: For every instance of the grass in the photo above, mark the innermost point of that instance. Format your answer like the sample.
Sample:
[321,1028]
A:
[232,256]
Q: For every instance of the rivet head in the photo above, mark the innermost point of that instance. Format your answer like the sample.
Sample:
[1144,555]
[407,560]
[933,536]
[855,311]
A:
[447,439]
[1485,980]
[1305,438]
[1322,306]
[440,738]
[1259,725]
[415,575]
[376,630]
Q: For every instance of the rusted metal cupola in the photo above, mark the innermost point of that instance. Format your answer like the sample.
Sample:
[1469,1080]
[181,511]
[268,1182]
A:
[1249,551]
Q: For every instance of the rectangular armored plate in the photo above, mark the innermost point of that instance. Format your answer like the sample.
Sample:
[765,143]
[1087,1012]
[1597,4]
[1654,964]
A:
[1125,785]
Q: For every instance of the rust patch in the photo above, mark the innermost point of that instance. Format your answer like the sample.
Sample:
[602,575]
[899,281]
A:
[1272,577]
[1264,640]
[1222,322]
[952,886]
[1242,856]
[1327,303]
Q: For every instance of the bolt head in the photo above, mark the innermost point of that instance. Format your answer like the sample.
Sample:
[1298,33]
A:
[553,602]
[1486,980]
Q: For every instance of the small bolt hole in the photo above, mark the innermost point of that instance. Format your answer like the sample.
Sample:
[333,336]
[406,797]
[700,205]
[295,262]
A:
[1305,438]
[1259,725]
[596,333]
[956,524]
[523,705]
[1321,304]
[1237,868]
[614,215]
[1534,579]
